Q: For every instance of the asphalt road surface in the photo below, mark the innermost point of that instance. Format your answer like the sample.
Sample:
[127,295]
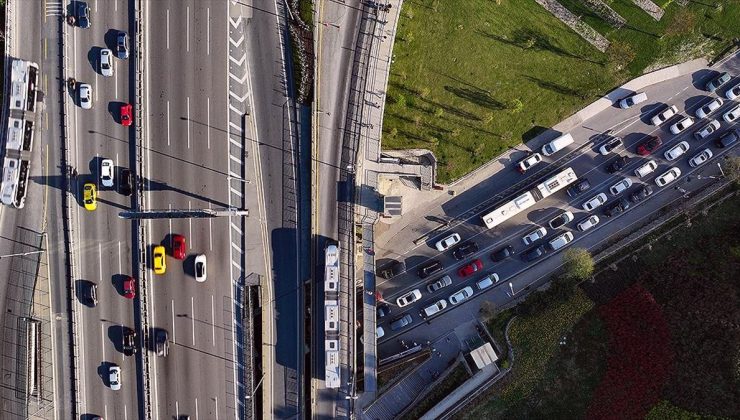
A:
[515,275]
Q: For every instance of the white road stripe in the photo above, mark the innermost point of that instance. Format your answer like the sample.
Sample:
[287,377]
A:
[188,119]
[168,123]
[174,340]
[192,316]
[168,35]
[187,28]
[213,323]
[208,31]
[208,121]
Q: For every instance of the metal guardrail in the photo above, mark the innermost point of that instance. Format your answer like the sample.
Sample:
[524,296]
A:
[138,58]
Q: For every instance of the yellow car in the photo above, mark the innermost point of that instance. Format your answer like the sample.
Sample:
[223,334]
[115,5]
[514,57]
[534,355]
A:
[90,197]
[160,263]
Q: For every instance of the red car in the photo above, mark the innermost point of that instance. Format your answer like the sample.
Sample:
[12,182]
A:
[129,288]
[126,115]
[474,266]
[649,146]
[178,247]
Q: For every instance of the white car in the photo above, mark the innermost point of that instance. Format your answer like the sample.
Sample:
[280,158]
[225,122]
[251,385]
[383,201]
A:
[528,162]
[646,168]
[114,377]
[487,281]
[534,235]
[106,62]
[700,158]
[561,220]
[733,92]
[665,115]
[732,114]
[85,92]
[613,145]
[682,125]
[594,202]
[461,295]
[201,268]
[667,177]
[707,130]
[620,186]
[710,107]
[676,151]
[447,242]
[106,172]
[408,298]
[588,223]
[633,100]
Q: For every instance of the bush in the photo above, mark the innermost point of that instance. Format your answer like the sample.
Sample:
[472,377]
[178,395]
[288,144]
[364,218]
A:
[579,264]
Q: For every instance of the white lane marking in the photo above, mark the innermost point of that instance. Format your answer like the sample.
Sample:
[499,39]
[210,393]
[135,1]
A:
[192,316]
[210,231]
[177,409]
[169,206]
[105,410]
[208,121]
[188,119]
[125,412]
[215,398]
[196,408]
[115,80]
[187,28]
[102,339]
[213,324]
[174,340]
[190,228]
[168,123]
[100,262]
[208,31]
[120,264]
[168,29]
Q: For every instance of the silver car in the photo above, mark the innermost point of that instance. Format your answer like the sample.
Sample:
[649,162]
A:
[594,202]
[588,223]
[408,298]
[106,62]
[620,186]
[667,177]
[732,114]
[681,125]
[707,130]
[700,158]
[461,295]
[664,115]
[534,235]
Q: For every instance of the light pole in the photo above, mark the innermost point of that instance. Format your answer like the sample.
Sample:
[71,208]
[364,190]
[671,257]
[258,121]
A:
[255,388]
[22,254]
[511,286]
[720,169]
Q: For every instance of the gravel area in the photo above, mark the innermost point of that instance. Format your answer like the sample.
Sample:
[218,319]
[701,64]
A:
[584,30]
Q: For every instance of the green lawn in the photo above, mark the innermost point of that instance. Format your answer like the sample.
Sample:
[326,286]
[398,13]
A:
[471,79]
[535,339]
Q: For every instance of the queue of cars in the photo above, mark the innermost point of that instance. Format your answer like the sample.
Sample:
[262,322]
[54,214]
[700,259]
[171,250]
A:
[624,198]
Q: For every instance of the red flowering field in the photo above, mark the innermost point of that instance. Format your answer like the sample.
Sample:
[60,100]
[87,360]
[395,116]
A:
[640,357]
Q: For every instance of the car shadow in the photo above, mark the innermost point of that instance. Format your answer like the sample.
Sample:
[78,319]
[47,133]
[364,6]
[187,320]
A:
[93,56]
[115,335]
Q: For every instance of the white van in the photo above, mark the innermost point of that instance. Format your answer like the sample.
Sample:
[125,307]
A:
[561,241]
[487,281]
[557,145]
[436,307]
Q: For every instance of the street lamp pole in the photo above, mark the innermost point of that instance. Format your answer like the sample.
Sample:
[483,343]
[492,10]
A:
[720,169]
[511,286]
[255,388]
[22,254]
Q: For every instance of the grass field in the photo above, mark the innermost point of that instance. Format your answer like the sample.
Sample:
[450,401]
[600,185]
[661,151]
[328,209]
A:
[471,79]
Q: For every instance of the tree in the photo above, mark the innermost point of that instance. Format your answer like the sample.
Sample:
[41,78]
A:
[731,168]
[516,106]
[579,264]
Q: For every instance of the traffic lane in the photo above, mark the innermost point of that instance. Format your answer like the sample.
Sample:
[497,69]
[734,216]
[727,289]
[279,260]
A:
[521,279]
[635,119]
[542,213]
[593,161]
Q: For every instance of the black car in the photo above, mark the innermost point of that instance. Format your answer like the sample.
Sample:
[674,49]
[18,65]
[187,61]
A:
[392,270]
[617,164]
[83,15]
[430,268]
[617,208]
[534,253]
[162,343]
[91,294]
[129,341]
[122,45]
[728,139]
[125,182]
[641,194]
[383,309]
[465,250]
[502,253]
[579,187]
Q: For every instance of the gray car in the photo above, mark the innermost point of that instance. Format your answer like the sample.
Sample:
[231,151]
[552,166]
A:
[401,322]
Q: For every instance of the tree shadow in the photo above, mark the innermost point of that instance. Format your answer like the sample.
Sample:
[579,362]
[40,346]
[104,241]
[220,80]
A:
[529,39]
[554,87]
[476,96]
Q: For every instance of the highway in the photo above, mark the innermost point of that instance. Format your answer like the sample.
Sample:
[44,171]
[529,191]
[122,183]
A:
[103,241]
[464,211]
[186,164]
